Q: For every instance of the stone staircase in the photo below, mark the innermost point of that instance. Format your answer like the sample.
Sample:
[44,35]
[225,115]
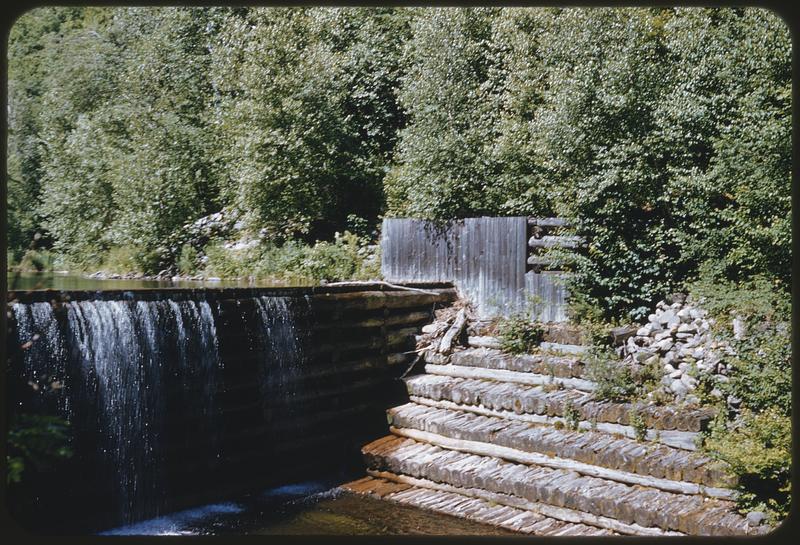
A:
[520,443]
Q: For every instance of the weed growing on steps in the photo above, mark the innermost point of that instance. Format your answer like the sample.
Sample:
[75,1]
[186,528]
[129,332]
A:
[518,335]
[615,381]
[572,417]
[638,424]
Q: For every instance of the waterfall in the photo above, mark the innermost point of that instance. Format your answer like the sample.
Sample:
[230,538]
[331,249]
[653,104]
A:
[198,365]
[282,348]
[120,349]
[44,352]
[141,381]
[114,359]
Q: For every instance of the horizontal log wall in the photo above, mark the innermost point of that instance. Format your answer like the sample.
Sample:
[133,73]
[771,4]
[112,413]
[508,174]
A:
[355,342]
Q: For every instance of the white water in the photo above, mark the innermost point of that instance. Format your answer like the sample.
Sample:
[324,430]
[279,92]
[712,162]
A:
[111,362]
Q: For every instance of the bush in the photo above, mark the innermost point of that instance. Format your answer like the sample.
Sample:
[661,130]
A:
[758,448]
[35,261]
[125,259]
[36,443]
[187,259]
[572,417]
[348,257]
[615,380]
[590,318]
[638,423]
[518,335]
[341,259]
[762,365]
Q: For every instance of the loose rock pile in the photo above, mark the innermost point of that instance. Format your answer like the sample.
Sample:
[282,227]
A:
[678,338]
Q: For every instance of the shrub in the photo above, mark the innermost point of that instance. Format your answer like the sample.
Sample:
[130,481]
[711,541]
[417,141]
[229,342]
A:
[762,365]
[758,448]
[590,318]
[187,259]
[125,259]
[348,257]
[572,417]
[639,426]
[615,380]
[338,260]
[35,261]
[518,335]
[36,443]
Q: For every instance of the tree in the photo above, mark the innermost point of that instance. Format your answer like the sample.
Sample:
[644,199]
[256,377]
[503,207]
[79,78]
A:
[306,116]
[29,41]
[444,167]
[76,136]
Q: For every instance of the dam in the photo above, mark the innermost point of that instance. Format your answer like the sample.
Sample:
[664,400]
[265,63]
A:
[179,397]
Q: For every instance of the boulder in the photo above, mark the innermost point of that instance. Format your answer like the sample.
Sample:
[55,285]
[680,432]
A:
[621,334]
[678,388]
[664,344]
[669,317]
[755,518]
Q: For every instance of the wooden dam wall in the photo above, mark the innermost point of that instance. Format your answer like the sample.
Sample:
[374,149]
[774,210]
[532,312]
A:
[492,261]
[298,424]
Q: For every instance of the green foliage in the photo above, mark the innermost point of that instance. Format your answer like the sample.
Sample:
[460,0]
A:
[444,167]
[638,423]
[758,448]
[664,134]
[347,258]
[36,443]
[757,300]
[35,260]
[591,319]
[123,259]
[572,417]
[615,380]
[307,115]
[761,369]
[519,335]
[188,259]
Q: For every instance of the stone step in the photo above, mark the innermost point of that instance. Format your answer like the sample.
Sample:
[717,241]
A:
[461,503]
[588,447]
[501,375]
[647,507]
[543,364]
[523,399]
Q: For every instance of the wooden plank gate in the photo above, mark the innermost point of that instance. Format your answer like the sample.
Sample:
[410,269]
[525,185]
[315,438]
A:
[492,261]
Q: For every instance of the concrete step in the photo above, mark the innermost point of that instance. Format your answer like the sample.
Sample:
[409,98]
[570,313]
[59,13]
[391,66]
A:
[678,468]
[462,503]
[648,508]
[537,400]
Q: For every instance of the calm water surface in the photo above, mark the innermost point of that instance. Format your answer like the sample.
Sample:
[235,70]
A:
[58,281]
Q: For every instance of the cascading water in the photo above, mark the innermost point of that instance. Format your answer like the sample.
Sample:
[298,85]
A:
[119,347]
[199,365]
[114,359]
[44,352]
[152,408]
[282,349]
